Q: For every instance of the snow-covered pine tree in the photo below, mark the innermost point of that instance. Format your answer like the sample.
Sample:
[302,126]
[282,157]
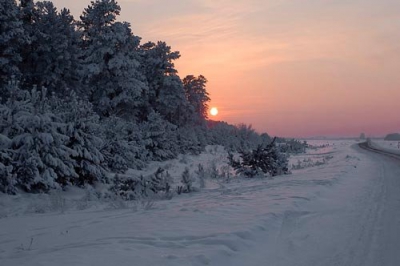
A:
[197,95]
[110,61]
[123,145]
[39,155]
[81,128]
[165,93]
[52,58]
[11,40]
[191,139]
[261,161]
[171,103]
[159,137]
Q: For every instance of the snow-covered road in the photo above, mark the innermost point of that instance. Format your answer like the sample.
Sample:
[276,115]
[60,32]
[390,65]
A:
[356,223]
[344,212]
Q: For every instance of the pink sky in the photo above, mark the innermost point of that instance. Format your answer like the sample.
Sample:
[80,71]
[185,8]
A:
[294,68]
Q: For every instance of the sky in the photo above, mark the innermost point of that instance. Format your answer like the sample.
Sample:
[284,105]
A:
[291,68]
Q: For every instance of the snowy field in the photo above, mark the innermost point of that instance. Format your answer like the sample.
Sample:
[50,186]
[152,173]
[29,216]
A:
[299,219]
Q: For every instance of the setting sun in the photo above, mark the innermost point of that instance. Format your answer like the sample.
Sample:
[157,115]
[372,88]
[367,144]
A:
[214,111]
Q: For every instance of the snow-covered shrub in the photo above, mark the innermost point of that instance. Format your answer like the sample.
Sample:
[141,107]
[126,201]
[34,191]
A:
[292,146]
[130,187]
[186,181]
[135,188]
[124,187]
[161,181]
[235,137]
[225,173]
[201,175]
[260,162]
[212,170]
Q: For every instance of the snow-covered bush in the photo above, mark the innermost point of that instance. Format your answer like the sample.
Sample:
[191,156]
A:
[260,161]
[134,188]
[187,182]
[125,187]
[161,181]
[212,170]
[292,146]
[235,137]
[201,175]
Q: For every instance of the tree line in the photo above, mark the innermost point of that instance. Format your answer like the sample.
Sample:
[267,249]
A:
[81,98]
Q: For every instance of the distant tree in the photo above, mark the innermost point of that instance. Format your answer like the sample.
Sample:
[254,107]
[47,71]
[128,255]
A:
[247,136]
[393,136]
[197,95]
[293,146]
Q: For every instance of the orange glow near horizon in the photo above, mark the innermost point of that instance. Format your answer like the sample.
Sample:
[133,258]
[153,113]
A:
[289,68]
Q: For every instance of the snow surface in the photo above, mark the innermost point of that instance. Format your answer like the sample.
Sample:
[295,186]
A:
[386,145]
[330,213]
